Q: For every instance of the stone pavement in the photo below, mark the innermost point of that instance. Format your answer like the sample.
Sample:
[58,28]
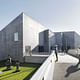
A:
[67,68]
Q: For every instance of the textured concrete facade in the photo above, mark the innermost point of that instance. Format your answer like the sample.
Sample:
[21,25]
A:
[46,40]
[7,44]
[77,40]
[67,40]
[28,31]
[31,30]
[35,59]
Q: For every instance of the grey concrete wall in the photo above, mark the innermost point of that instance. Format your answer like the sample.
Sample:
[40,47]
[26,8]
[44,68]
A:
[35,59]
[7,44]
[2,46]
[46,39]
[28,34]
[31,30]
[65,39]
[68,39]
[76,40]
[58,39]
[41,38]
[40,53]
[51,40]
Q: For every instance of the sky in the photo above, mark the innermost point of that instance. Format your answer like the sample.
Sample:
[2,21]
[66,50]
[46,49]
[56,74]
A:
[57,15]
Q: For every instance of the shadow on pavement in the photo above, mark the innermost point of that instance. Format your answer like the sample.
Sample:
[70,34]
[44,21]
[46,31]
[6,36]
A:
[72,69]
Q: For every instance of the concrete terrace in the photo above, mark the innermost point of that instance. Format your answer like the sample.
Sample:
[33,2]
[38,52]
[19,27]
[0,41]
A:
[67,68]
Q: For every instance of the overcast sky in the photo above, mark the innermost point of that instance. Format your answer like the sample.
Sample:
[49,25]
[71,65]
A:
[58,15]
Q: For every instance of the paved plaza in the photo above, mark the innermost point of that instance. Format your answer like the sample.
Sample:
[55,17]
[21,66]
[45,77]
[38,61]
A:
[67,68]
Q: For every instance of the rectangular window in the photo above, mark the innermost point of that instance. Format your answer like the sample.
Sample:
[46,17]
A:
[16,36]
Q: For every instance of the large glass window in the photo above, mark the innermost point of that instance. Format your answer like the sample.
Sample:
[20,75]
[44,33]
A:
[16,36]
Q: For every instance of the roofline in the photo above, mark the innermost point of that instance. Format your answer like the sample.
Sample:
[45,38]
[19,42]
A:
[18,16]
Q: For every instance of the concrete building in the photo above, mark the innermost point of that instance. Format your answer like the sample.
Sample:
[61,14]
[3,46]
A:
[66,40]
[24,35]
[46,40]
[19,36]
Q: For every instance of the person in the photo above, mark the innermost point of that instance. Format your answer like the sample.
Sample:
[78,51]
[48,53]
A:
[56,53]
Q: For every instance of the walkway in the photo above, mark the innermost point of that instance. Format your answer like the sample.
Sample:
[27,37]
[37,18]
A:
[67,68]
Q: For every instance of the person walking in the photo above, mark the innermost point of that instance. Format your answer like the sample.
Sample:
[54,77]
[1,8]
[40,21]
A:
[56,53]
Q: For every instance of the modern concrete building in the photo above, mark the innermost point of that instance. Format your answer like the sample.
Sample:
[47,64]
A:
[19,36]
[24,34]
[46,40]
[66,40]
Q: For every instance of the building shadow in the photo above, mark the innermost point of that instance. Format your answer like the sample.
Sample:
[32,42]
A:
[72,69]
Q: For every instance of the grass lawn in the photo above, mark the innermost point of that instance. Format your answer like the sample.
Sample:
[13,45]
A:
[26,71]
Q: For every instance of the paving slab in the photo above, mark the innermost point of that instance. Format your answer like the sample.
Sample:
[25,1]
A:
[65,58]
[66,71]
[67,68]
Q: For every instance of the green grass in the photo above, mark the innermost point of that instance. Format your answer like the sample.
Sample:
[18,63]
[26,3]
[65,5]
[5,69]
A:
[26,71]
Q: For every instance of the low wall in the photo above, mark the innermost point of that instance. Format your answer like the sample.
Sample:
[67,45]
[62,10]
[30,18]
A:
[45,72]
[74,52]
[35,59]
[41,53]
